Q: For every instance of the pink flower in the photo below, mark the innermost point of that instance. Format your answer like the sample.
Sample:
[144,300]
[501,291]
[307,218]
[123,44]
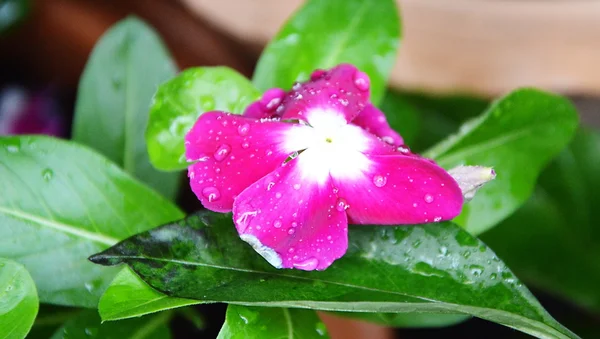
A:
[299,166]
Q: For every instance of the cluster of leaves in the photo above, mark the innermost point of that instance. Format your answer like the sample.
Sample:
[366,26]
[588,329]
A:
[105,192]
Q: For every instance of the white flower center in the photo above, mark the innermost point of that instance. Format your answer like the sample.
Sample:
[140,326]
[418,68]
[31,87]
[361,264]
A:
[331,147]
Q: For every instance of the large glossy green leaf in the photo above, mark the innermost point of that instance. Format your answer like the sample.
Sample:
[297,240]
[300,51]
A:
[432,268]
[180,101]
[246,322]
[115,91]
[323,34]
[18,300]
[61,202]
[554,240]
[518,135]
[87,326]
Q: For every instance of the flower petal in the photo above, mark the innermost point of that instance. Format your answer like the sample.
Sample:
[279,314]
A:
[266,106]
[291,221]
[232,152]
[398,189]
[374,121]
[343,91]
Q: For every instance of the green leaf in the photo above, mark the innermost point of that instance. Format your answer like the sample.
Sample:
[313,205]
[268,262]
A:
[115,91]
[87,326]
[61,202]
[129,296]
[432,268]
[18,300]
[180,101]
[243,322]
[410,320]
[323,34]
[402,116]
[50,318]
[518,135]
[553,242]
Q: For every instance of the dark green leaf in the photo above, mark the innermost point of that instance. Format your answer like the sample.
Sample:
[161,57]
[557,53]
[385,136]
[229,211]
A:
[402,116]
[554,240]
[129,296]
[61,202]
[87,326]
[18,300]
[410,320]
[323,34]
[246,322]
[116,88]
[518,135]
[49,319]
[432,268]
[180,101]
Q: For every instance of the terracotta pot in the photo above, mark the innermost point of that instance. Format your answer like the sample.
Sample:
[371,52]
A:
[484,47]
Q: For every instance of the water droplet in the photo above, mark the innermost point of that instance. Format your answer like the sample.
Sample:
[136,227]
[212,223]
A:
[321,329]
[361,80]
[467,254]
[247,315]
[245,144]
[403,149]
[211,193]
[416,243]
[308,264]
[116,80]
[476,270]
[278,195]
[9,288]
[47,174]
[291,250]
[208,103]
[343,101]
[291,231]
[387,139]
[243,129]
[437,219]
[379,180]
[89,286]
[90,331]
[277,224]
[222,152]
[428,198]
[270,185]
[297,186]
[294,224]
[341,205]
[12,148]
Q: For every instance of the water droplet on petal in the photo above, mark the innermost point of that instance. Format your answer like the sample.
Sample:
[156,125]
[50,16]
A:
[361,80]
[278,195]
[294,224]
[222,152]
[277,224]
[387,139]
[211,193]
[428,198]
[379,180]
[308,264]
[291,231]
[437,219]
[403,149]
[341,205]
[243,129]
[245,144]
[297,186]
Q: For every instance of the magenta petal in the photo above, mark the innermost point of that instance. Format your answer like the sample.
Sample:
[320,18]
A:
[232,152]
[374,121]
[266,106]
[343,89]
[398,189]
[291,222]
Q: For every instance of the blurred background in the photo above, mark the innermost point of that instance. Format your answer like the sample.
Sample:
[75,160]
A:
[467,49]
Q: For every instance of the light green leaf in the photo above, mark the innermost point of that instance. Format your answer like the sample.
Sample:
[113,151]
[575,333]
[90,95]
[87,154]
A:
[553,241]
[18,300]
[323,34]
[115,91]
[517,136]
[62,202]
[180,101]
[87,326]
[246,322]
[129,296]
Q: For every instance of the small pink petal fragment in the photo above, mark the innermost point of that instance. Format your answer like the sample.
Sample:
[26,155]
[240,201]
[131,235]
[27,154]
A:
[399,189]
[373,120]
[336,90]
[231,152]
[292,228]
[266,106]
